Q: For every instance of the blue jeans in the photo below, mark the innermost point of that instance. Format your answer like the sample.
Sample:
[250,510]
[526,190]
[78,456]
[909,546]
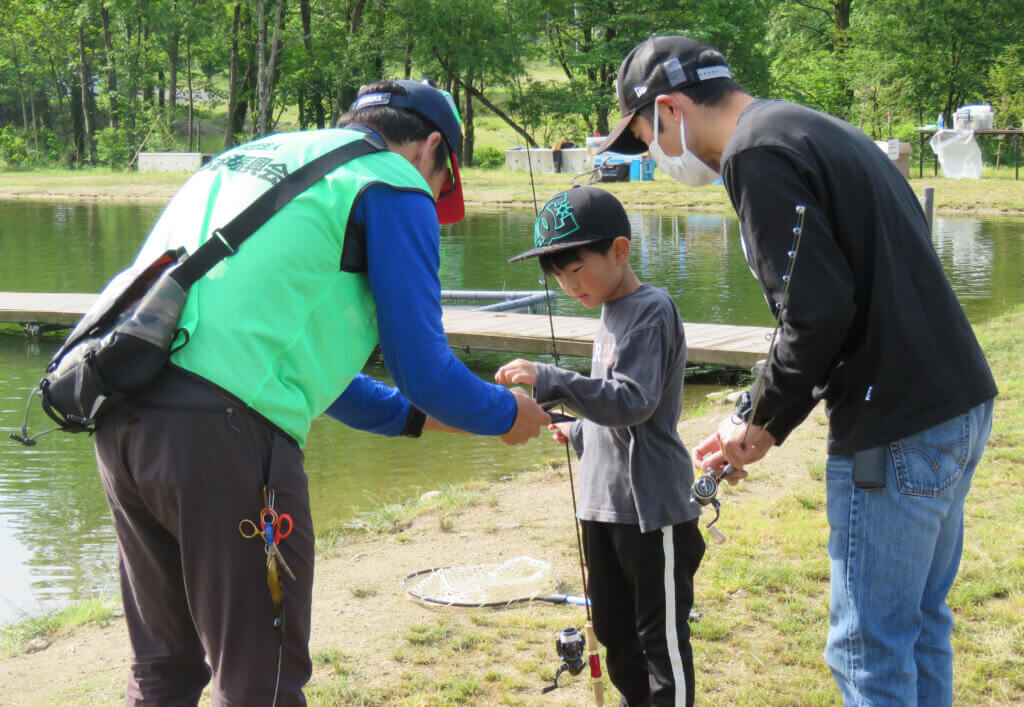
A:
[895,552]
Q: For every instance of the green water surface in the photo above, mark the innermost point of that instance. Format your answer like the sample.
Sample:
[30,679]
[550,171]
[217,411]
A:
[58,541]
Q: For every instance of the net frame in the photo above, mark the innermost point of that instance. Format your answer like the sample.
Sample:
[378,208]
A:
[520,579]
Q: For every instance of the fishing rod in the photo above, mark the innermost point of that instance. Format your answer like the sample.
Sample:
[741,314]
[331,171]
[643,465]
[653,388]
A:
[705,487]
[566,643]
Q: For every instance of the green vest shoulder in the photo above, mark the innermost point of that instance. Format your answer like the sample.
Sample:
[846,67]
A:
[279,324]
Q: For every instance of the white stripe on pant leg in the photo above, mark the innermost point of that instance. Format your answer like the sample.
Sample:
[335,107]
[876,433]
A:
[671,634]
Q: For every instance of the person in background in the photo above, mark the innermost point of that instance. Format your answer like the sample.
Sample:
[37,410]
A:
[871,326]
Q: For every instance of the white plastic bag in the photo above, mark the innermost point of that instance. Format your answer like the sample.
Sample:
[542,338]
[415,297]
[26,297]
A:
[958,153]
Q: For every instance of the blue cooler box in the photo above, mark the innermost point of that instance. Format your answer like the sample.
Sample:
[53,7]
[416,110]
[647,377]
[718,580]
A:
[641,169]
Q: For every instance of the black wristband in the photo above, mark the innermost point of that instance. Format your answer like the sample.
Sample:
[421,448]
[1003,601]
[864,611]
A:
[414,422]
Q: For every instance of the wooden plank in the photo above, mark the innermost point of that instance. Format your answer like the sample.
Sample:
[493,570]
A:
[720,344]
[44,307]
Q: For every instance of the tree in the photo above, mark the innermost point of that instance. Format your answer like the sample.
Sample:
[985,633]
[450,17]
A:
[590,38]
[942,47]
[1006,87]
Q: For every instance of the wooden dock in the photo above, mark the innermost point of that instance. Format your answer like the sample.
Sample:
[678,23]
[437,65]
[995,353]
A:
[721,344]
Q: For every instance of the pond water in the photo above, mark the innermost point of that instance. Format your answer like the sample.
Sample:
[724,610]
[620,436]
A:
[58,541]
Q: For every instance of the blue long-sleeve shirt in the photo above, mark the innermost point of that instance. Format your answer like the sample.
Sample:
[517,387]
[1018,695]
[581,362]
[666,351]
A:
[403,243]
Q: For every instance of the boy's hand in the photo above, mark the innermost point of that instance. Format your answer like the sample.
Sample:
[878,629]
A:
[561,431]
[518,371]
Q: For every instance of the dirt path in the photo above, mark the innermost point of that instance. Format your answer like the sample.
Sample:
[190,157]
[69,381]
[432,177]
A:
[371,645]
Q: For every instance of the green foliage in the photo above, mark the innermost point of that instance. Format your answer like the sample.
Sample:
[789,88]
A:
[1006,83]
[13,150]
[543,68]
[488,158]
[114,146]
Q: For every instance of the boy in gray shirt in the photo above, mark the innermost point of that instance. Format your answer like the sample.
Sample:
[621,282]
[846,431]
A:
[638,521]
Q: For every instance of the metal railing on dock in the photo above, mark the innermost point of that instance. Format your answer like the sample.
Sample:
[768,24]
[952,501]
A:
[508,300]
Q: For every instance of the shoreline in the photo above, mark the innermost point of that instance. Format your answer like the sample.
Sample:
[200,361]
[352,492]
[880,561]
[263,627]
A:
[501,189]
[492,205]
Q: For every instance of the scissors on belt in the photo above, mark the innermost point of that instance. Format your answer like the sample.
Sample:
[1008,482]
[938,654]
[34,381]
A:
[273,527]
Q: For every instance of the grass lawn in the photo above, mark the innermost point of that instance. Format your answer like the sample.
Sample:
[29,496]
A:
[495,188]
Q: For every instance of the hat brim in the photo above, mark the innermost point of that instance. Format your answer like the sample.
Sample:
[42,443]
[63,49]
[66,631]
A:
[622,139]
[452,208]
[554,248]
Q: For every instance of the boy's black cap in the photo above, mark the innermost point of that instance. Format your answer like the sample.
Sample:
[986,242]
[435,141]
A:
[576,217]
[656,66]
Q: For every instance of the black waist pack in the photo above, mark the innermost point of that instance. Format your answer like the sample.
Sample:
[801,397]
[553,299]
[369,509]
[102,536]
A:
[123,342]
[117,348]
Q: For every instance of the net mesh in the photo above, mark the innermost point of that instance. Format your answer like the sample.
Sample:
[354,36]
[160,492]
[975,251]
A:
[518,579]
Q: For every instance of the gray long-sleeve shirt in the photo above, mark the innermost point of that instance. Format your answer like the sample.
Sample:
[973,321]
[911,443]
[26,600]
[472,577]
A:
[634,468]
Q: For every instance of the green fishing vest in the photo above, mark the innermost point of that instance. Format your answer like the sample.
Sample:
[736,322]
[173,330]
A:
[279,324]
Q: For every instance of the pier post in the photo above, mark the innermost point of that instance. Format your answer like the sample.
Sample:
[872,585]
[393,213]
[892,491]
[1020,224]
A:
[929,205]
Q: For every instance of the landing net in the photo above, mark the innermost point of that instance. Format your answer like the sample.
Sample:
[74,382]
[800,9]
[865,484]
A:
[516,580]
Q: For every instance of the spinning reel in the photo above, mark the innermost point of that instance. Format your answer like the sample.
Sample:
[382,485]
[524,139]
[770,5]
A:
[705,492]
[570,645]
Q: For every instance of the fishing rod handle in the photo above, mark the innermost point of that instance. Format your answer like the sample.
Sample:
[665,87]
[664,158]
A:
[594,655]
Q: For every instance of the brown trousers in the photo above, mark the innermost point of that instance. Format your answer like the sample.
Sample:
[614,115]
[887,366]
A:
[182,465]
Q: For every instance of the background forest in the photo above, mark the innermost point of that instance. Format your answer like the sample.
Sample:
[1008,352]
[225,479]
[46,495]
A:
[86,82]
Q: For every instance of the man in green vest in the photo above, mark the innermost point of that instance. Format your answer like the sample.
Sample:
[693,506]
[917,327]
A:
[203,471]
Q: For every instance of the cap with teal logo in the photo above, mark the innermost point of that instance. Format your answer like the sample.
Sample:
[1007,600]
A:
[576,217]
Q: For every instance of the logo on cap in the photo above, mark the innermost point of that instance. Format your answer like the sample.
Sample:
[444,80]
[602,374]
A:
[640,90]
[706,73]
[556,219]
[371,99]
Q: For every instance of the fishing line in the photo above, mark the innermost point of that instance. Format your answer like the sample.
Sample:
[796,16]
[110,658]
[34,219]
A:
[554,354]
[595,664]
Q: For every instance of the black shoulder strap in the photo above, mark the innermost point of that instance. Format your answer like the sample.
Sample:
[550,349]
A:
[226,240]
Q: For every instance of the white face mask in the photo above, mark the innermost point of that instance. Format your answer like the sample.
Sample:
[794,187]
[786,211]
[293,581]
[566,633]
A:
[687,167]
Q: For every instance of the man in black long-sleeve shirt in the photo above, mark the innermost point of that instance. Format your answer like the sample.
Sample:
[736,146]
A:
[870,325]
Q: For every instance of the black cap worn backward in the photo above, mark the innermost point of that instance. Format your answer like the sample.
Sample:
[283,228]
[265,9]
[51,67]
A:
[656,66]
[576,217]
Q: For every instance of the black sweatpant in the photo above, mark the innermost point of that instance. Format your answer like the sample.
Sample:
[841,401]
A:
[641,587]
[181,466]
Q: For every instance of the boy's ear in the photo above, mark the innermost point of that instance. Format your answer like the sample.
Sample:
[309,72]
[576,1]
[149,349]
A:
[621,247]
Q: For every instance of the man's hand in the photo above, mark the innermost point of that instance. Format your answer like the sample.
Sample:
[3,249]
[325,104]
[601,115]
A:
[560,431]
[517,371]
[727,447]
[529,419]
